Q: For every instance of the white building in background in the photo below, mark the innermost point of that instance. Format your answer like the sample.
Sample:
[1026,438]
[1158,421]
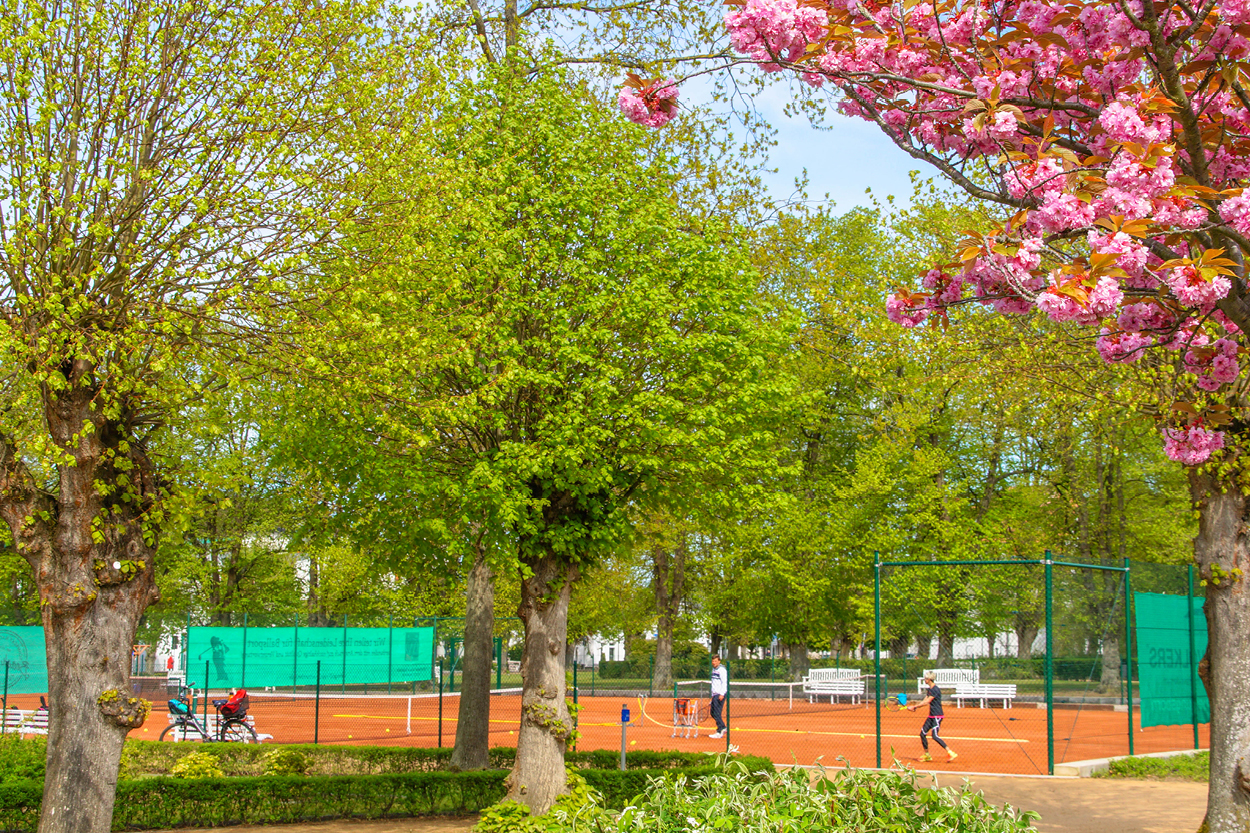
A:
[592,650]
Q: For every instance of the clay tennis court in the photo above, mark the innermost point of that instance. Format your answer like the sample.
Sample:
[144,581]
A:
[990,740]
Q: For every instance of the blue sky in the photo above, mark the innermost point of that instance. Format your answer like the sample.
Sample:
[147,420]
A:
[842,161]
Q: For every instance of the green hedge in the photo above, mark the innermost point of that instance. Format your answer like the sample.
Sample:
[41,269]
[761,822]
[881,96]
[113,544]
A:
[415,785]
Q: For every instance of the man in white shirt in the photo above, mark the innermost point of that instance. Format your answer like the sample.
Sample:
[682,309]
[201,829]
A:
[720,688]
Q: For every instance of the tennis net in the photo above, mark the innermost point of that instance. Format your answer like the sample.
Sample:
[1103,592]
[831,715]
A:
[750,698]
[335,717]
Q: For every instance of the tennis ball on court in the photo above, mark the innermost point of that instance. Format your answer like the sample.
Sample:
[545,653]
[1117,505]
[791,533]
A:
[388,730]
[861,737]
[632,742]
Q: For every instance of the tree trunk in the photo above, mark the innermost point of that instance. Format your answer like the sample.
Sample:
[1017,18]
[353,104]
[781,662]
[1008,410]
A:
[1110,681]
[946,646]
[924,644]
[800,661]
[1026,635]
[669,580]
[1222,553]
[714,643]
[538,777]
[473,721]
[90,547]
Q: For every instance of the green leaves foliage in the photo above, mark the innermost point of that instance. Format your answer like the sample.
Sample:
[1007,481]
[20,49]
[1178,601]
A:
[560,339]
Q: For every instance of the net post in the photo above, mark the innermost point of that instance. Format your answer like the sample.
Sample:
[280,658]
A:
[1050,670]
[1128,642]
[876,617]
[1193,667]
[317,707]
[206,695]
[243,676]
[295,658]
[772,663]
[440,702]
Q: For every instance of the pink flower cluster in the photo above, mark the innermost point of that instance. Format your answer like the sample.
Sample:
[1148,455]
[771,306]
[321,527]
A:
[1113,217]
[1215,366]
[1191,445]
[651,106]
[768,31]
[903,311]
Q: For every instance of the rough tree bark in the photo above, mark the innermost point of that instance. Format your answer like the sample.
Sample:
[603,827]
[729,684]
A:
[1109,681]
[90,549]
[669,570]
[1026,635]
[538,777]
[473,721]
[1222,553]
[800,661]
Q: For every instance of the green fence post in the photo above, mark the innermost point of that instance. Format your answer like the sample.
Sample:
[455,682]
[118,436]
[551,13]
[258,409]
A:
[295,658]
[592,676]
[575,683]
[1050,668]
[498,662]
[5,703]
[1193,665]
[390,650]
[728,692]
[772,665]
[343,679]
[186,651]
[651,681]
[440,702]
[317,706]
[243,679]
[206,695]
[1128,640]
[876,616]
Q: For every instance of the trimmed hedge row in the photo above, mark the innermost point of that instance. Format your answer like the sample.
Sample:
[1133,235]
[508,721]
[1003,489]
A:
[420,790]
[145,758]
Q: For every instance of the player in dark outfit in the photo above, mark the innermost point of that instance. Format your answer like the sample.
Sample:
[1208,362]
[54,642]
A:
[932,723]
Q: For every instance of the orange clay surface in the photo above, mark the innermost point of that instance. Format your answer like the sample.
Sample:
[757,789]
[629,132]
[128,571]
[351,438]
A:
[991,740]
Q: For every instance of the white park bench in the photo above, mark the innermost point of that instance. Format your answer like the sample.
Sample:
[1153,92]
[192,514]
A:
[212,723]
[949,678]
[985,691]
[833,682]
[25,722]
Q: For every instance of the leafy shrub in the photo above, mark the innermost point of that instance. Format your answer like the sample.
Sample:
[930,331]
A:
[286,761]
[142,758]
[1196,767]
[22,759]
[581,805]
[738,800]
[196,765]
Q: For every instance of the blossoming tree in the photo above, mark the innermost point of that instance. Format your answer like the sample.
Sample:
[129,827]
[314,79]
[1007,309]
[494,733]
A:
[1116,133]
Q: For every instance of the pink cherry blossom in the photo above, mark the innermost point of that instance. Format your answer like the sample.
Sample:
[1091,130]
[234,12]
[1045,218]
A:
[651,106]
[1193,445]
[904,312]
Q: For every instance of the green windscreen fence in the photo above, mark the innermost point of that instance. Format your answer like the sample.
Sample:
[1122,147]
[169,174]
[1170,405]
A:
[1171,692]
[277,657]
[24,657]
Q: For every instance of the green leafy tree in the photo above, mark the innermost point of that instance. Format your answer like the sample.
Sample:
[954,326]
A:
[165,169]
[600,349]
